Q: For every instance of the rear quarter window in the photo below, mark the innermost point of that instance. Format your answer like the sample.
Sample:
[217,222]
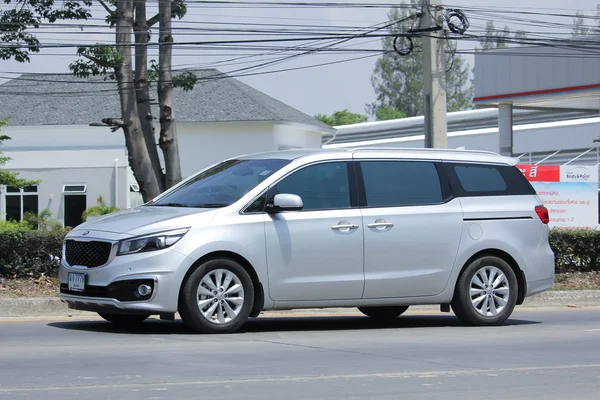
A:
[469,180]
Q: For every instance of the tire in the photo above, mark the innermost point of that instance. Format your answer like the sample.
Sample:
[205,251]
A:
[488,305]
[125,320]
[227,311]
[383,313]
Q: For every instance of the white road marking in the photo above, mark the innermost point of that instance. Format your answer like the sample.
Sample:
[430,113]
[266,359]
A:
[309,378]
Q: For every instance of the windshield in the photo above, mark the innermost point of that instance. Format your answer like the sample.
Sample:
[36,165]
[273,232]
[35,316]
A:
[221,185]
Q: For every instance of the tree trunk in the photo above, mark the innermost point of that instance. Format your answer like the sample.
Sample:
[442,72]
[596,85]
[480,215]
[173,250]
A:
[168,131]
[143,90]
[139,159]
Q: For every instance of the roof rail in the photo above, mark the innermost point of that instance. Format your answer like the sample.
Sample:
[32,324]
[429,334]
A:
[423,149]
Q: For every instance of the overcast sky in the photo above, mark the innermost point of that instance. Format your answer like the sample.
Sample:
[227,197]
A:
[322,89]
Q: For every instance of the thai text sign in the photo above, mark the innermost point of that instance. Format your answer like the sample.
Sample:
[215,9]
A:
[570,192]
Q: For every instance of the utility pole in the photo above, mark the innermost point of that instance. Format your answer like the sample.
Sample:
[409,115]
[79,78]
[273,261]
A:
[434,59]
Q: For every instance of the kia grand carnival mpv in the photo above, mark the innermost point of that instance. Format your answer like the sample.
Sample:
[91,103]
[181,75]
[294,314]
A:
[376,229]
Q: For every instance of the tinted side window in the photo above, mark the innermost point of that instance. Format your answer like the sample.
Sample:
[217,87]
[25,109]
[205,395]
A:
[487,180]
[321,186]
[401,183]
[480,178]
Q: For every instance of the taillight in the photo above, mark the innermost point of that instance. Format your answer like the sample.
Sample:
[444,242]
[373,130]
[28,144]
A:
[542,212]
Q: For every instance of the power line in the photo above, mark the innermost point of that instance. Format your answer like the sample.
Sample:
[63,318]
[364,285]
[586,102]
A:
[325,39]
[130,86]
[327,47]
[194,43]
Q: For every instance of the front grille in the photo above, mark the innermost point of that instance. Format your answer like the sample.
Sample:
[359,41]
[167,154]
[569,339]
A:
[87,254]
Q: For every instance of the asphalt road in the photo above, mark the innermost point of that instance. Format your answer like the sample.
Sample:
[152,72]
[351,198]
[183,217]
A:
[549,355]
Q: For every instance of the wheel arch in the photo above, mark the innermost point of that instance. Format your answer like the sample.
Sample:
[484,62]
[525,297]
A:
[521,281]
[259,297]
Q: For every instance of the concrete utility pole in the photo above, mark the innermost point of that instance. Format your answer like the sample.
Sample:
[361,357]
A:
[434,60]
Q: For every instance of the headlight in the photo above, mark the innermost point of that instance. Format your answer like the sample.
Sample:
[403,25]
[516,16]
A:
[156,241]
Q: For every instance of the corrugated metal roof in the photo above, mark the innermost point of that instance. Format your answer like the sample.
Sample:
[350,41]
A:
[457,122]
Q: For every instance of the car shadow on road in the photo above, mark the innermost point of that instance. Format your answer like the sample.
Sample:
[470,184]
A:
[285,324]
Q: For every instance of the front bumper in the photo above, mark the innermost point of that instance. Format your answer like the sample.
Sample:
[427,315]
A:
[111,306]
[109,288]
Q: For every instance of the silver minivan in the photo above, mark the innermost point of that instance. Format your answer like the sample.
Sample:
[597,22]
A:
[376,229]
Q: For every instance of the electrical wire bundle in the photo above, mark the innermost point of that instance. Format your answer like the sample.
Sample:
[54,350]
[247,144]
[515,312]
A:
[248,44]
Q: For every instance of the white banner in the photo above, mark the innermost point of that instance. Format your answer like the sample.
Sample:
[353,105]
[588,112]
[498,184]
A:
[572,201]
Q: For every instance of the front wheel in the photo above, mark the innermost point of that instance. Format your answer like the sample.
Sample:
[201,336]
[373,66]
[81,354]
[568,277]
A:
[125,320]
[486,292]
[217,297]
[383,313]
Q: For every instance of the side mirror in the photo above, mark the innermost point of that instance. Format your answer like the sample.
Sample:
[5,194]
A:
[285,202]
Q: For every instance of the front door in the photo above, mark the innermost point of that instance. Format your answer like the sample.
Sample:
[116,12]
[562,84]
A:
[411,233]
[316,253]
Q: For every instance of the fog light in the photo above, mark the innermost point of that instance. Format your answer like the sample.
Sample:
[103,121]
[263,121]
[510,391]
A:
[144,290]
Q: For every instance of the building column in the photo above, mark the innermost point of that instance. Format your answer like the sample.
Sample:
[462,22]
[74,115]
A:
[505,129]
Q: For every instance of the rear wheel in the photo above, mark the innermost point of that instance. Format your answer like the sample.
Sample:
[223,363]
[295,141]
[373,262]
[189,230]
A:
[217,297]
[486,292]
[125,320]
[383,313]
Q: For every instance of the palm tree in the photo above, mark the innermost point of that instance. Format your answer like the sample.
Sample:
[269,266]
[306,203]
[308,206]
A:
[42,221]
[99,209]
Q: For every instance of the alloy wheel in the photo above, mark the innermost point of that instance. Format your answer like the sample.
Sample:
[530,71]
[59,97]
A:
[489,291]
[220,296]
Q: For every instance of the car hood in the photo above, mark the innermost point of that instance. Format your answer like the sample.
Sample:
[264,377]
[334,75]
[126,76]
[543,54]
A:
[147,219]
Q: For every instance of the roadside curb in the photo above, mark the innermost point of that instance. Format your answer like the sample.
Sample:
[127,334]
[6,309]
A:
[53,307]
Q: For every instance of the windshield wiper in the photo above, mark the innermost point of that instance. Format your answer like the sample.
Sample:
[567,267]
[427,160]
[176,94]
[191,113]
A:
[211,205]
[170,205]
[204,205]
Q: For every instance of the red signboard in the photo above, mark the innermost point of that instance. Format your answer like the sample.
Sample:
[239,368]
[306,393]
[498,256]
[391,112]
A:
[540,173]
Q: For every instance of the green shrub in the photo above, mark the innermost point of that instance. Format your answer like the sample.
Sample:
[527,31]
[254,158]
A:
[11,226]
[576,250]
[25,252]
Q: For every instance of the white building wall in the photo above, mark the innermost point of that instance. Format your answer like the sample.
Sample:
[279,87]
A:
[202,145]
[66,153]
[99,182]
[104,172]
[60,155]
[291,137]
[54,137]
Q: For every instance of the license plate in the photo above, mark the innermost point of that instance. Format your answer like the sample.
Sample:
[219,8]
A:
[77,282]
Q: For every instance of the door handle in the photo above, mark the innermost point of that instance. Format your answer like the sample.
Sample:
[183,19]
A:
[344,227]
[381,225]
